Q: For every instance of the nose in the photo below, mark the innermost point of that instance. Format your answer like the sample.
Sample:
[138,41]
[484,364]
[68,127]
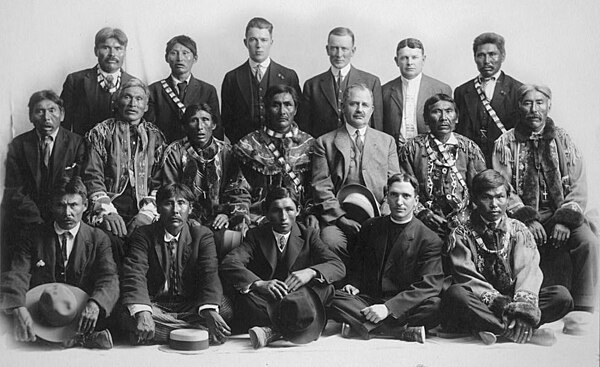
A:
[445,115]
[177,208]
[47,115]
[495,202]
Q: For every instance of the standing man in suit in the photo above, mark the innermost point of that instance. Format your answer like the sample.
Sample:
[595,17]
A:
[88,94]
[64,251]
[396,278]
[244,87]
[321,109]
[35,162]
[272,266]
[170,274]
[170,97]
[404,97]
[352,154]
[488,103]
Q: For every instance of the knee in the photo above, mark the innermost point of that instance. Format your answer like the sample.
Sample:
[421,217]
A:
[561,297]
[334,238]
[455,295]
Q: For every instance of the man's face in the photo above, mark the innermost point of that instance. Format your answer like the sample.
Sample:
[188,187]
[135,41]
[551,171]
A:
[491,204]
[258,41]
[402,200]
[199,129]
[534,108]
[174,213]
[68,209]
[281,112]
[180,60]
[358,108]
[46,116]
[488,59]
[340,50]
[110,54]
[132,104]
[442,118]
[410,61]
[282,215]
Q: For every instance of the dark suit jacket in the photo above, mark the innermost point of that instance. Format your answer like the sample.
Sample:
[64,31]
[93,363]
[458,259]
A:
[256,258]
[318,112]
[504,102]
[165,113]
[412,272]
[25,200]
[331,162]
[393,103]
[144,273]
[86,103]
[91,266]
[238,115]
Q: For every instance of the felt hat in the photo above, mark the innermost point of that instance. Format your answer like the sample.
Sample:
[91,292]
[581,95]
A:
[186,341]
[358,202]
[300,316]
[55,310]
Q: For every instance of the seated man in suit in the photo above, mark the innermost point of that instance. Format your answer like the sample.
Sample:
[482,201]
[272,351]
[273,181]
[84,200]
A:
[488,103]
[404,97]
[124,154]
[36,160]
[321,109]
[396,274]
[272,268]
[170,275]
[64,251]
[170,97]
[444,163]
[497,278]
[352,154]
[244,87]
[89,93]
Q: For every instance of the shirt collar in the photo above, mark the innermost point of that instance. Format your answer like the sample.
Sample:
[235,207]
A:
[493,77]
[352,130]
[416,80]
[116,74]
[263,65]
[53,135]
[177,81]
[345,70]
[59,231]
[488,222]
[169,237]
[279,235]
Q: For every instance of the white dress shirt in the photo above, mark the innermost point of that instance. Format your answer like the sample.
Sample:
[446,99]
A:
[410,93]
[70,239]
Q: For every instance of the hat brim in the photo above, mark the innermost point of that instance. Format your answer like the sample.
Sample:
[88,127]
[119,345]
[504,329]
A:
[359,204]
[313,331]
[167,349]
[55,334]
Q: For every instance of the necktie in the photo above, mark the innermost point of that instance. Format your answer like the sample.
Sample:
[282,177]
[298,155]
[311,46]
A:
[46,150]
[281,243]
[181,86]
[173,283]
[258,74]
[63,247]
[110,81]
[358,141]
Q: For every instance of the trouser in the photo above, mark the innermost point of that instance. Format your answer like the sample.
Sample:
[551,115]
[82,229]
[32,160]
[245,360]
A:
[338,241]
[346,308]
[463,310]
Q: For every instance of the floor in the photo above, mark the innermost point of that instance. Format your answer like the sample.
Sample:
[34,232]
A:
[330,350]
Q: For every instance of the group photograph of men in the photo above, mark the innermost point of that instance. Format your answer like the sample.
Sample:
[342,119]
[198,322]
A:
[269,207]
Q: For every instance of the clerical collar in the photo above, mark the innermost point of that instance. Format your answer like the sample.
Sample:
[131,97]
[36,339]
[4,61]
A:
[493,77]
[352,130]
[401,221]
[345,70]
[59,231]
[415,80]
[115,75]
[177,81]
[263,65]
[169,237]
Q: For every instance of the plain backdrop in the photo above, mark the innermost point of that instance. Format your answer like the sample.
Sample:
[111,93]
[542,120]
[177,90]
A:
[553,42]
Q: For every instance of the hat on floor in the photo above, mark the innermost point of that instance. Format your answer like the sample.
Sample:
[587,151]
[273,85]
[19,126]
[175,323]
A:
[300,316]
[186,341]
[55,310]
[358,202]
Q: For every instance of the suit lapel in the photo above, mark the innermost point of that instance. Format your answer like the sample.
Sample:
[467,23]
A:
[159,238]
[326,85]
[370,153]
[471,101]
[397,95]
[80,254]
[267,246]
[294,246]
[58,155]
[499,93]
[344,145]
[403,241]
[90,83]
[184,248]
[32,155]
[243,79]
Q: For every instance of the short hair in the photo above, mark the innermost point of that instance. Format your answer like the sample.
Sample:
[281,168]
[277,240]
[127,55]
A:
[132,83]
[403,177]
[260,23]
[278,193]
[68,185]
[487,180]
[43,95]
[279,89]
[357,86]
[108,32]
[174,190]
[435,99]
[341,31]
[489,37]
[410,43]
[526,88]
[192,110]
[184,41]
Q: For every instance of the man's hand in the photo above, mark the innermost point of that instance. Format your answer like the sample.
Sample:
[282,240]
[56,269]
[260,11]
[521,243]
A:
[560,235]
[89,317]
[276,288]
[242,227]
[144,329]
[311,221]
[23,330]
[348,226]
[137,221]
[221,221]
[375,313]
[350,289]
[539,233]
[218,329]
[519,331]
[436,223]
[114,223]
[299,278]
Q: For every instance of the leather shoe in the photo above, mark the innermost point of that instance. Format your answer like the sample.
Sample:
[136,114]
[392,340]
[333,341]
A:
[98,340]
[261,336]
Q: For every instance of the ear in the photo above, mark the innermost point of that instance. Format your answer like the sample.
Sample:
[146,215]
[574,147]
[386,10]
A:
[396,61]
[96,51]
[62,114]
[245,43]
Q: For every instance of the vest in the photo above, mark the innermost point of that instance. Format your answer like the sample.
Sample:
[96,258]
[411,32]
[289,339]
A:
[258,93]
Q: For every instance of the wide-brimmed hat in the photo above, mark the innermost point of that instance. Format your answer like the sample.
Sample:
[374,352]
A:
[55,310]
[300,316]
[358,202]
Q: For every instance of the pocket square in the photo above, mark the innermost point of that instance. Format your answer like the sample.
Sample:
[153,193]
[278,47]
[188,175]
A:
[40,264]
